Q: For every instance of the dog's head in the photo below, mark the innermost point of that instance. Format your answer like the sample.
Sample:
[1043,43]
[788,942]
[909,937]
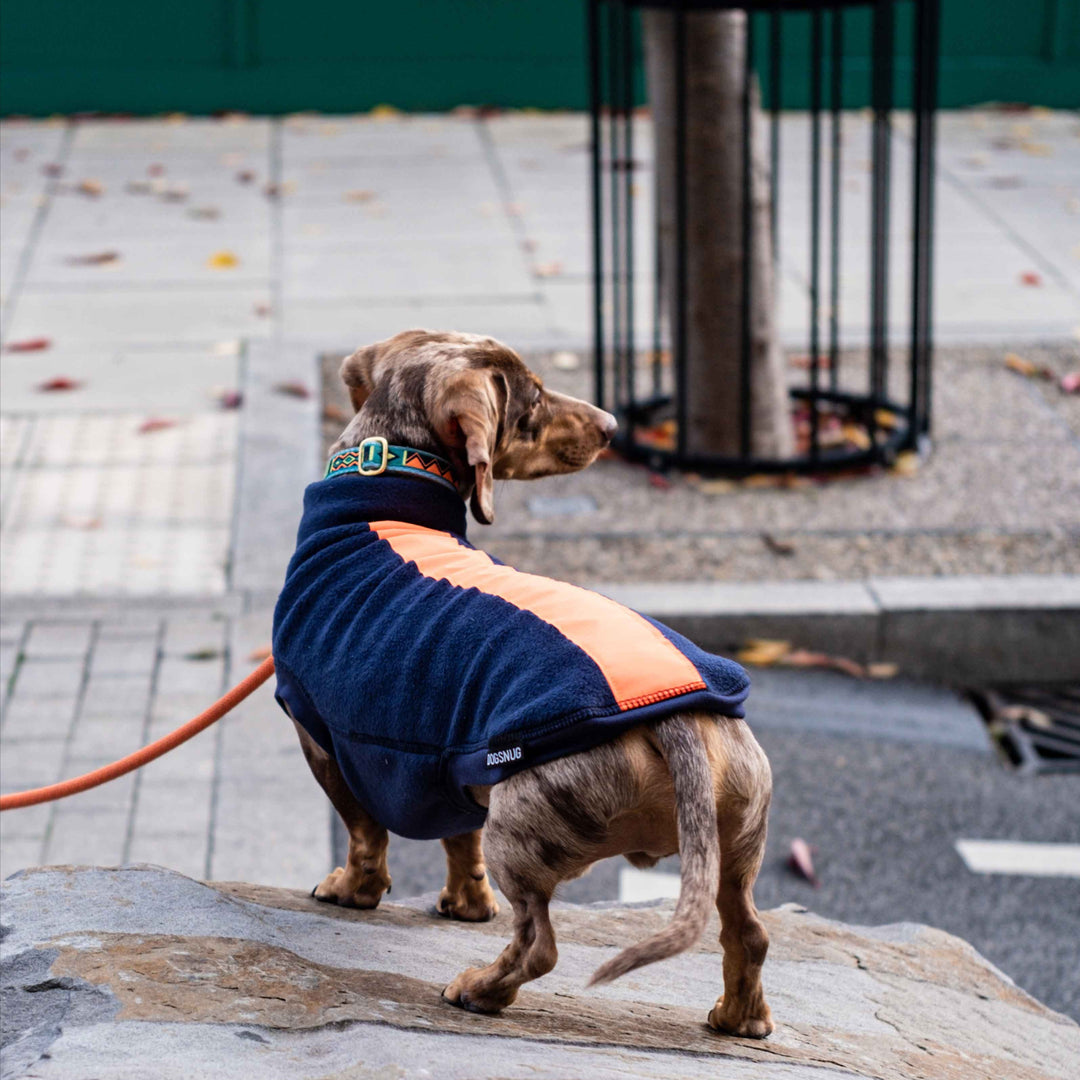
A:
[473,400]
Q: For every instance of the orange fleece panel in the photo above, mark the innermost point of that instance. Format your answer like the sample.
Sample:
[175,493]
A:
[641,666]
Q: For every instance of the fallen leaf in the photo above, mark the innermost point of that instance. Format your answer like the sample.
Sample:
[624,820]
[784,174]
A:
[263,310]
[906,464]
[155,169]
[1037,149]
[886,418]
[204,213]
[659,481]
[778,547]
[91,187]
[566,361]
[207,653]
[335,414]
[263,652]
[1070,384]
[805,658]
[360,195]
[763,652]
[882,669]
[100,258]
[58,383]
[763,480]
[52,169]
[275,191]
[1029,277]
[716,487]
[800,860]
[222,260]
[1029,370]
[231,399]
[384,112]
[856,435]
[292,389]
[245,176]
[155,423]
[548,269]
[28,345]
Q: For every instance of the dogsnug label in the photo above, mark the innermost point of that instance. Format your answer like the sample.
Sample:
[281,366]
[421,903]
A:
[502,757]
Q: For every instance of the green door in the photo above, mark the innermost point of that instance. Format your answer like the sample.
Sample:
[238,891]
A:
[272,56]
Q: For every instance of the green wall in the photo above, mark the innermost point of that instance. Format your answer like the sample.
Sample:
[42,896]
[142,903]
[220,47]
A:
[272,56]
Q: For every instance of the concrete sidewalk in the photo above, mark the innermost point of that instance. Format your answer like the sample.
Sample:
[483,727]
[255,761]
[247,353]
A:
[140,558]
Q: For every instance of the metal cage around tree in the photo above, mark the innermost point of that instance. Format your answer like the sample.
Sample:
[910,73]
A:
[853,282]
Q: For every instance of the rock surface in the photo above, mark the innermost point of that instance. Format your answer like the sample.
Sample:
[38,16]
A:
[139,971]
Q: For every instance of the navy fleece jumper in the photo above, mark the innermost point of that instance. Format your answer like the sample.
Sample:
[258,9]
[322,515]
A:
[423,665]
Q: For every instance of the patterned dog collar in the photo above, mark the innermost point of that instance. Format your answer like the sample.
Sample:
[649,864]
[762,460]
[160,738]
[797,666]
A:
[375,457]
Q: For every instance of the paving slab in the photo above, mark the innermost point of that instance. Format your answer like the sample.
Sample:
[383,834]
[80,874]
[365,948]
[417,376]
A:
[141,973]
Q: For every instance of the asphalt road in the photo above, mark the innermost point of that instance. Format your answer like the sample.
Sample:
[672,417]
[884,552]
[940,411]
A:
[882,779]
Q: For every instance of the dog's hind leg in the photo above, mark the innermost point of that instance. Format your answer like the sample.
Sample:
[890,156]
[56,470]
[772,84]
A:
[529,955]
[363,879]
[467,894]
[742,815]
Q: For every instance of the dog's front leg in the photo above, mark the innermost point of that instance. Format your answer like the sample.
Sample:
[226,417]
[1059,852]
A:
[467,894]
[365,876]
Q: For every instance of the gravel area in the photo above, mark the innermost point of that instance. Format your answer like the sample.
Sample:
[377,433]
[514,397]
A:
[998,494]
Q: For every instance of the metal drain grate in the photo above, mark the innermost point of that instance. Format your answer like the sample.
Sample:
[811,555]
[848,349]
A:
[1036,727]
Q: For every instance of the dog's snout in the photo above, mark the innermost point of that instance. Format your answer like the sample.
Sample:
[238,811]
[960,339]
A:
[607,425]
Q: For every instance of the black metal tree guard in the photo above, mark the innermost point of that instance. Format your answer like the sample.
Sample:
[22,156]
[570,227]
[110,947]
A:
[890,422]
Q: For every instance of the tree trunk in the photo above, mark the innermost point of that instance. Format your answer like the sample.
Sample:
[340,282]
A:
[714,70]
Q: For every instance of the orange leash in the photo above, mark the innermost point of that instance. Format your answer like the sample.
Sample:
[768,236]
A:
[148,753]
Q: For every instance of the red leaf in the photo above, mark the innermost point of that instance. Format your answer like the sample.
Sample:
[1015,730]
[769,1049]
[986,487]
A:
[1029,277]
[155,170]
[29,345]
[659,481]
[59,382]
[155,423]
[231,399]
[293,389]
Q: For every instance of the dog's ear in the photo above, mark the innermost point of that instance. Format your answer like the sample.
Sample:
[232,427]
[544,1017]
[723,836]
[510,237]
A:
[356,373]
[469,415]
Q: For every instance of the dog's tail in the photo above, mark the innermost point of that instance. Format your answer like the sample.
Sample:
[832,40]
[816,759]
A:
[699,849]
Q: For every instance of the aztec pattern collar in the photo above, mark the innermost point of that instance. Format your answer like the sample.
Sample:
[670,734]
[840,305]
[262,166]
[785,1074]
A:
[375,457]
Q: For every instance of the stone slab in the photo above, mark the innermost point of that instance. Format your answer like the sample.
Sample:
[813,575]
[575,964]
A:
[142,968]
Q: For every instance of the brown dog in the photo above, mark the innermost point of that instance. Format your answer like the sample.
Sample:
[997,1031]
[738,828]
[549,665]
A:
[694,782]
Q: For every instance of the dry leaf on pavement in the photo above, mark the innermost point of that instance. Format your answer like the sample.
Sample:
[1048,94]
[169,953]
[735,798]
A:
[155,423]
[222,260]
[1029,277]
[91,187]
[99,258]
[28,345]
[293,389]
[762,652]
[1029,370]
[59,382]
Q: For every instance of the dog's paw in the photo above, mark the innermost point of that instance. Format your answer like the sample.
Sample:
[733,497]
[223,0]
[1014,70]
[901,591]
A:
[352,890]
[472,902]
[745,1023]
[466,992]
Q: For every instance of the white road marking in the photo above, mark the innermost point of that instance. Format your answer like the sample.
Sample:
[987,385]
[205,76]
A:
[635,885]
[1020,857]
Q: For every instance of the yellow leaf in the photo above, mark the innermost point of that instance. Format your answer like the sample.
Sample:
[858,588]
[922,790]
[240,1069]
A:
[906,464]
[222,260]
[763,652]
[384,112]
[1020,365]
[882,669]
